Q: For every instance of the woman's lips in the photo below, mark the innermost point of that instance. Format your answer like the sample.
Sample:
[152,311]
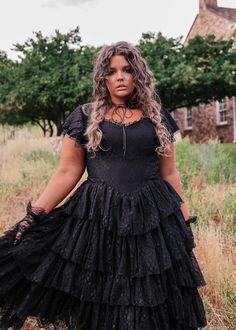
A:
[121,87]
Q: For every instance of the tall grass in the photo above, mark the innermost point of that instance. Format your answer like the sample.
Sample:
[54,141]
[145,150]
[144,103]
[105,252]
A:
[26,163]
[215,161]
[209,180]
[215,249]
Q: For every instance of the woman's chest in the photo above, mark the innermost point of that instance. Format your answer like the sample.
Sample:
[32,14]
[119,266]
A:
[137,138]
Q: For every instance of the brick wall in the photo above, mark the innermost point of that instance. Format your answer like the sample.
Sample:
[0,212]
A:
[204,126]
[208,23]
[204,123]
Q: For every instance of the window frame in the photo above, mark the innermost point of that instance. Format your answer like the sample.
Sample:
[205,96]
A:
[225,102]
[186,126]
[175,115]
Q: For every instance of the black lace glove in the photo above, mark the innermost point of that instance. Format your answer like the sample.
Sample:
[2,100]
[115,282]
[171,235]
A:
[191,219]
[191,242]
[33,216]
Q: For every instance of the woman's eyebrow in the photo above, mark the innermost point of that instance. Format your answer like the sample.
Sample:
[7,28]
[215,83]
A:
[123,67]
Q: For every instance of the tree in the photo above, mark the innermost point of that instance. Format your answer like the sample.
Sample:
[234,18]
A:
[202,71]
[7,68]
[53,76]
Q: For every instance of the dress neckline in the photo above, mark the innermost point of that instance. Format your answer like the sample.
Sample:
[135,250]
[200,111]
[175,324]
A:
[127,124]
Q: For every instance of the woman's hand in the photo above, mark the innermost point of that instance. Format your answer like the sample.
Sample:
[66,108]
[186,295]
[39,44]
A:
[191,219]
[33,216]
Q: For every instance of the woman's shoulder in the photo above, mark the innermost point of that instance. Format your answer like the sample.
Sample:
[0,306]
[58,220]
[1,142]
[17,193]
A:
[80,115]
[81,111]
[86,109]
[168,120]
[76,122]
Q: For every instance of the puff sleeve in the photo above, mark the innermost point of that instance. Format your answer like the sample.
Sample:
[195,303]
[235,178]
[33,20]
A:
[169,122]
[75,126]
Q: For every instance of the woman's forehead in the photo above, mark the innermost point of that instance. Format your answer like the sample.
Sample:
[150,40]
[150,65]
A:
[118,60]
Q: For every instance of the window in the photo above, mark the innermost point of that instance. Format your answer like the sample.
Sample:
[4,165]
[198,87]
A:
[221,111]
[188,118]
[174,115]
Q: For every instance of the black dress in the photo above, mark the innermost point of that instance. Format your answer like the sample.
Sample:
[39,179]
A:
[117,254]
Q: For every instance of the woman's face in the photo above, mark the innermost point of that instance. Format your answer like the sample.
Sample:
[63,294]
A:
[119,80]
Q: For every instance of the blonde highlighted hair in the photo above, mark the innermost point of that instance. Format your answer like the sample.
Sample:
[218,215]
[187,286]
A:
[143,97]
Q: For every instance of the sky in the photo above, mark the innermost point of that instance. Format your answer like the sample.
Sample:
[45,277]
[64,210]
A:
[100,21]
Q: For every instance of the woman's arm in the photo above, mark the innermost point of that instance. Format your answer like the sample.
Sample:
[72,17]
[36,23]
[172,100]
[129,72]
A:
[170,174]
[66,176]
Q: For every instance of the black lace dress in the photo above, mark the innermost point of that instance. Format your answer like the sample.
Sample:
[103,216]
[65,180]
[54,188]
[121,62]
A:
[117,254]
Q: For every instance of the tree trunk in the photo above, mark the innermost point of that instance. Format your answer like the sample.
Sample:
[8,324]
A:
[42,126]
[59,122]
[51,131]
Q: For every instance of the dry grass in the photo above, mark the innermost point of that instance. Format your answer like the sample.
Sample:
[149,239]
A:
[218,265]
[23,175]
[26,164]
[216,249]
[22,180]
[216,258]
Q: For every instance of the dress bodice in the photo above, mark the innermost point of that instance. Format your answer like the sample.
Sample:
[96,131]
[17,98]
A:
[126,158]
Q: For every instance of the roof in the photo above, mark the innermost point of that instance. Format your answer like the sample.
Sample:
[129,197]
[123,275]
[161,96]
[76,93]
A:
[227,13]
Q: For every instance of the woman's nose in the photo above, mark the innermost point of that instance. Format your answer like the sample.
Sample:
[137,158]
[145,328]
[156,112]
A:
[120,75]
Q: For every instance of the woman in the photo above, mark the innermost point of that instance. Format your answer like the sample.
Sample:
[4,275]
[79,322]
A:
[118,253]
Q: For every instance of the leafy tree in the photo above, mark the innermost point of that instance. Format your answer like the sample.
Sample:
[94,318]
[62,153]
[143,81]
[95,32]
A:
[202,71]
[54,75]
[7,68]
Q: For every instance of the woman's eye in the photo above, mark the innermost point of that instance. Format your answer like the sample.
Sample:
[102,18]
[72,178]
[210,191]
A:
[110,72]
[129,70]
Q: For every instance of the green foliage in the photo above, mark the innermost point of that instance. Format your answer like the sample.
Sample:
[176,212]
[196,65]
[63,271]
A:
[230,149]
[229,294]
[206,166]
[7,83]
[229,206]
[53,76]
[6,67]
[187,161]
[201,71]
[216,161]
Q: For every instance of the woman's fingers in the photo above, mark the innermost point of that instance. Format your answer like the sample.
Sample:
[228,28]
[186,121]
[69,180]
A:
[18,237]
[17,240]
[21,230]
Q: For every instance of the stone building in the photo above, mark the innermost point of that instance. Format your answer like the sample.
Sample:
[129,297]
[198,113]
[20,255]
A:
[216,120]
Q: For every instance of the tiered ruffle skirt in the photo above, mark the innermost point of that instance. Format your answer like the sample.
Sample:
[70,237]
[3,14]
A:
[105,260]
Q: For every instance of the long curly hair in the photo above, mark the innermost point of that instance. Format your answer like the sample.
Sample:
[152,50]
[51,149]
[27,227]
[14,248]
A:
[143,97]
